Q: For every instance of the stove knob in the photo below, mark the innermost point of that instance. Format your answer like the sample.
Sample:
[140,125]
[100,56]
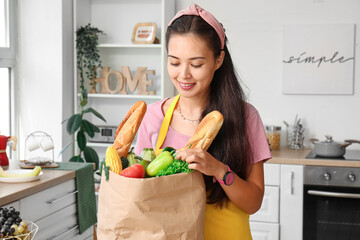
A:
[351,177]
[326,176]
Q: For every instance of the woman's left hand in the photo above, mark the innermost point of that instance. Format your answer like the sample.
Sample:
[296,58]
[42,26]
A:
[202,161]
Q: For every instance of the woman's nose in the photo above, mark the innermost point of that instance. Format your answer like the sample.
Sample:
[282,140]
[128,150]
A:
[184,72]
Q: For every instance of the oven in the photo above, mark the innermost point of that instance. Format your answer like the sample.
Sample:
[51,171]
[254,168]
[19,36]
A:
[331,202]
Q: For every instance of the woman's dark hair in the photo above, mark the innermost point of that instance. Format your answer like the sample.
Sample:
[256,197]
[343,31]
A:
[231,145]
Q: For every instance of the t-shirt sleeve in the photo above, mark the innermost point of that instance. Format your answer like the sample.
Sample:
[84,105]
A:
[257,136]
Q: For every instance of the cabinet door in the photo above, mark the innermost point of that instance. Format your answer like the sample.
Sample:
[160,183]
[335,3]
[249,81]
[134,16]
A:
[272,174]
[264,231]
[62,223]
[15,204]
[269,211]
[291,202]
[42,204]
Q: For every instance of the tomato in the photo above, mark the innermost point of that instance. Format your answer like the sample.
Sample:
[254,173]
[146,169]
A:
[135,171]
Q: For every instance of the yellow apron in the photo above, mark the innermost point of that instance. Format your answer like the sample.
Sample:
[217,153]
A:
[165,125]
[226,223]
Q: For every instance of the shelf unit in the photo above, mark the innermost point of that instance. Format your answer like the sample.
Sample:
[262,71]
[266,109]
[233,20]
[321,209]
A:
[117,19]
[104,95]
[118,45]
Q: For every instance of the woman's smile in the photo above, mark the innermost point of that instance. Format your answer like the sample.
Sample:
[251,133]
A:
[191,65]
[186,86]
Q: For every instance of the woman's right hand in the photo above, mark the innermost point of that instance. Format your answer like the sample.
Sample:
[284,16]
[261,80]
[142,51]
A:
[204,162]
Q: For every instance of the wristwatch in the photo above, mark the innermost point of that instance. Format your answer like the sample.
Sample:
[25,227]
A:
[228,178]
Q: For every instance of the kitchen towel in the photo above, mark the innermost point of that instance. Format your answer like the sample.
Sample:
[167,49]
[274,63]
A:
[86,200]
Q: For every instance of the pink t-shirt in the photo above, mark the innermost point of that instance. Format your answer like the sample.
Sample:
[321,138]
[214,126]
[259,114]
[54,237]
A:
[150,127]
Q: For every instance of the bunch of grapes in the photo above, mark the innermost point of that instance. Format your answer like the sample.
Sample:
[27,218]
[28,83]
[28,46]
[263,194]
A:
[10,222]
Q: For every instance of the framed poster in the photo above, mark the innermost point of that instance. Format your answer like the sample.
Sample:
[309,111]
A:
[318,59]
[144,33]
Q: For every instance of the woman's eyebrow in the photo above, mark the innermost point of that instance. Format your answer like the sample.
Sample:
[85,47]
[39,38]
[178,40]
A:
[193,58]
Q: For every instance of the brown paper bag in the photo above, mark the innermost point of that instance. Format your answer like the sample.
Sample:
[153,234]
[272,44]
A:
[168,207]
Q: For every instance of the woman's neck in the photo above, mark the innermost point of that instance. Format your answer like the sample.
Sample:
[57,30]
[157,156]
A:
[192,107]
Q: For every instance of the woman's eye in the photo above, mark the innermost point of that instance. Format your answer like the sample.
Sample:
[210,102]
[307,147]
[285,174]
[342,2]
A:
[174,64]
[196,65]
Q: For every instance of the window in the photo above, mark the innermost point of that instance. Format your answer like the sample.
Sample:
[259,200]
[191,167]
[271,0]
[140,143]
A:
[7,67]
[5,102]
[4,26]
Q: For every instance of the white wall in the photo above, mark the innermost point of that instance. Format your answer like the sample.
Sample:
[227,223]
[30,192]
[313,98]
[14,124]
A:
[45,69]
[254,30]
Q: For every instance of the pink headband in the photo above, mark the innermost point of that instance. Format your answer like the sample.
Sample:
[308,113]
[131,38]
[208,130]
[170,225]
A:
[208,17]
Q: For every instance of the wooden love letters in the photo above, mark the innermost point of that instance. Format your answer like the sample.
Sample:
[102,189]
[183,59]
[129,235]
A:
[124,81]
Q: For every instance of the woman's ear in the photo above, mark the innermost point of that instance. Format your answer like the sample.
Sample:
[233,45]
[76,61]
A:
[219,60]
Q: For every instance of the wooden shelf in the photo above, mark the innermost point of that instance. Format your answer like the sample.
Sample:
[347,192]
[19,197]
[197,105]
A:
[102,95]
[119,45]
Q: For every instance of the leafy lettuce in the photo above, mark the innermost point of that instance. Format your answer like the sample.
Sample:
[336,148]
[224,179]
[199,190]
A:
[177,166]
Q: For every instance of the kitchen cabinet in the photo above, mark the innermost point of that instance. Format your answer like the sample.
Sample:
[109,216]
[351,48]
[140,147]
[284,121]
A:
[280,215]
[264,231]
[15,204]
[291,201]
[54,211]
[264,224]
[117,19]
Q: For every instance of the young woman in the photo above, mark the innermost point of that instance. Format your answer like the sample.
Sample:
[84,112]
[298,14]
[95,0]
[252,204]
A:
[202,71]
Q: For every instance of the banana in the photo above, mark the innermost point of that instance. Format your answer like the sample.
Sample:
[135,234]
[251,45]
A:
[36,171]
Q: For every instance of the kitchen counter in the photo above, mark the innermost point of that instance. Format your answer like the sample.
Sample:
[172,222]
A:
[10,192]
[298,156]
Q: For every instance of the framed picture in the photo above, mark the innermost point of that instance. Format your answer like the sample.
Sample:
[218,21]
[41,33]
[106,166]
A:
[144,33]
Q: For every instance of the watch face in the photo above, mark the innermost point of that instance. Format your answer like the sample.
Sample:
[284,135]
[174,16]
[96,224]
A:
[229,178]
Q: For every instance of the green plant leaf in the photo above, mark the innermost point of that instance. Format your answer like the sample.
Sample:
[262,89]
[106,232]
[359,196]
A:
[73,123]
[76,159]
[66,147]
[89,128]
[64,121]
[81,140]
[91,156]
[86,125]
[91,110]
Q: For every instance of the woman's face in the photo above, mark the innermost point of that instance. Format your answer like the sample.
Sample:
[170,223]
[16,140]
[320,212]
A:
[191,65]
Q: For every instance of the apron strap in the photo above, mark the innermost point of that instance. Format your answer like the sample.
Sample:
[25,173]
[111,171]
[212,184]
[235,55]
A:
[165,125]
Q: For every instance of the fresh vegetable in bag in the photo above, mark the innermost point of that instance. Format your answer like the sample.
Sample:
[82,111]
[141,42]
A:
[135,171]
[162,161]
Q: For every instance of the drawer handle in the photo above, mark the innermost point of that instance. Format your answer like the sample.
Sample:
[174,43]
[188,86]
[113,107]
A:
[64,233]
[292,183]
[58,199]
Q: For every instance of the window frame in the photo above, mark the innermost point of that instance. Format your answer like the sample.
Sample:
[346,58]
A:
[8,60]
[8,54]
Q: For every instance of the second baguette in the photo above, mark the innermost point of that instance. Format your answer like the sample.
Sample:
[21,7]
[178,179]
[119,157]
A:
[206,131]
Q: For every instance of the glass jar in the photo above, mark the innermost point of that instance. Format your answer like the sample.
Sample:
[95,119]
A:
[273,136]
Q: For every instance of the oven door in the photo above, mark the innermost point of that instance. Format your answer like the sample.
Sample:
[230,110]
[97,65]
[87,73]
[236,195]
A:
[331,212]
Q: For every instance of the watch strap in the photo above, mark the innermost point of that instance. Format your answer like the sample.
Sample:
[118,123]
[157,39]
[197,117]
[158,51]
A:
[221,181]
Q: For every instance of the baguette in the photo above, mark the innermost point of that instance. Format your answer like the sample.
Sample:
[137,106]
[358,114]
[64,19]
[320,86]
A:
[128,128]
[206,131]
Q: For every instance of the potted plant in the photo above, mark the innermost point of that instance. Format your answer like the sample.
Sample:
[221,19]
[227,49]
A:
[88,60]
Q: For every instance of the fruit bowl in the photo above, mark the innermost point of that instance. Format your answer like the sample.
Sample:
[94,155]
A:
[32,229]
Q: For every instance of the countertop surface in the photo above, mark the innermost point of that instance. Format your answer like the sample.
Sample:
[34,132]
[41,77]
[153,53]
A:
[298,156]
[10,192]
